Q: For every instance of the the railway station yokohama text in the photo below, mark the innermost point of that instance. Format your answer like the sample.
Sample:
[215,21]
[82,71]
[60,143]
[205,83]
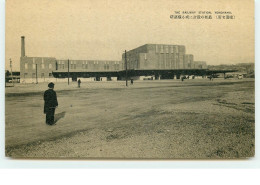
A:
[226,15]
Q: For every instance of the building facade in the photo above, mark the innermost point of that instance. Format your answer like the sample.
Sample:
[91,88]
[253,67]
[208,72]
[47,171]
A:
[37,69]
[40,69]
[149,57]
[160,56]
[88,65]
[188,61]
[200,65]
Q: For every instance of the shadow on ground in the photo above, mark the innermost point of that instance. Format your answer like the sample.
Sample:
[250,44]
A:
[58,116]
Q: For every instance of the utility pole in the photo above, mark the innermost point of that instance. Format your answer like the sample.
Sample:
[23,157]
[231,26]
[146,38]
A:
[125,70]
[11,71]
[68,71]
[36,74]
[56,65]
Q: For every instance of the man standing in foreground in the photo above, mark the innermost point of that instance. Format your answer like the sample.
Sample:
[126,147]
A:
[50,103]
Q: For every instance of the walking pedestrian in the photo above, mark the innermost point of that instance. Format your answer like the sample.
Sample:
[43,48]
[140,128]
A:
[79,81]
[50,103]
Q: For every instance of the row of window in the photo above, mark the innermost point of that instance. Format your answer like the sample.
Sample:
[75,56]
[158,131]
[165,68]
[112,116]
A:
[41,62]
[162,56]
[166,49]
[34,66]
[72,66]
[86,66]
[34,75]
[87,62]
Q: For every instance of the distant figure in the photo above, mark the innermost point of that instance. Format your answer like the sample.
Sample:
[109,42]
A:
[50,103]
[182,78]
[132,81]
[79,81]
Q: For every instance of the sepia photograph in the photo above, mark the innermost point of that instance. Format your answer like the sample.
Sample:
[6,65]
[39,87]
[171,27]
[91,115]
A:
[124,80]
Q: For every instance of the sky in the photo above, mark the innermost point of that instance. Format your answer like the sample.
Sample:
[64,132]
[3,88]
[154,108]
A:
[103,29]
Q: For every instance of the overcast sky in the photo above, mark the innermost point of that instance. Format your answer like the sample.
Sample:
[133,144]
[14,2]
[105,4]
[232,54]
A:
[103,29]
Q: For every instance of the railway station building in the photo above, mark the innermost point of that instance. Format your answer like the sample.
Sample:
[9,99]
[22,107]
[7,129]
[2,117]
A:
[150,61]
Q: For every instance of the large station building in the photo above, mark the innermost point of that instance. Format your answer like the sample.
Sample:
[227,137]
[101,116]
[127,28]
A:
[159,56]
[157,61]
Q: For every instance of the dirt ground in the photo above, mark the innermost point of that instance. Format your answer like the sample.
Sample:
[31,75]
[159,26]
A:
[167,119]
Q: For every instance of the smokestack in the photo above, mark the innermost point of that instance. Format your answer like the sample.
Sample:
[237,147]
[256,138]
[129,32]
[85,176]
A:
[22,47]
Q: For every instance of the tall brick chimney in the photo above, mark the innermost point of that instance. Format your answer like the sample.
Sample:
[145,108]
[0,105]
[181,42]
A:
[22,47]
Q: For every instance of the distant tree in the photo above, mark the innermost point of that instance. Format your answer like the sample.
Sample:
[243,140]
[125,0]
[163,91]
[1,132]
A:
[7,73]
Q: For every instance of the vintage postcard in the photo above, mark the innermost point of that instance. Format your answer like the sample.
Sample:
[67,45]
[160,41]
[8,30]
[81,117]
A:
[113,79]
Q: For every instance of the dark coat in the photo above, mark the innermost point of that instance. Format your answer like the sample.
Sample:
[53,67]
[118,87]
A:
[50,100]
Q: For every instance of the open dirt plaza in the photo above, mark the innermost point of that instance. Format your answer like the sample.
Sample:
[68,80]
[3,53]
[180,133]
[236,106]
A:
[166,119]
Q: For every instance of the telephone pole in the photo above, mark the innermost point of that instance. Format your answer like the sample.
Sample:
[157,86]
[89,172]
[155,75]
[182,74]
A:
[125,70]
[36,74]
[68,71]
[11,71]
